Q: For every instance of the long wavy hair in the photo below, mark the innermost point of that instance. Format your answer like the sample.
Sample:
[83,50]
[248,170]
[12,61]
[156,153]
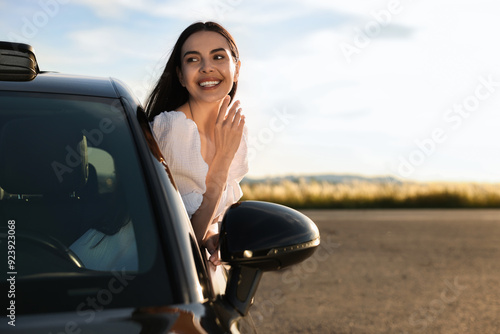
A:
[168,93]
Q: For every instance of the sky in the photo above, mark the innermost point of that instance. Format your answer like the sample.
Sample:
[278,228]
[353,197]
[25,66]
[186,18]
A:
[404,88]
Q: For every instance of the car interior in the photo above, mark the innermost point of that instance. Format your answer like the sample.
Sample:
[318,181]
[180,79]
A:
[61,182]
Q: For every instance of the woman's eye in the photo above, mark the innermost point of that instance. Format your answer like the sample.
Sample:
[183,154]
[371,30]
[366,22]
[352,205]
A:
[191,60]
[219,57]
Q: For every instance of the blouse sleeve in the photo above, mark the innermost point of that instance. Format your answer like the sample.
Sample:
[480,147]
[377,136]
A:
[180,145]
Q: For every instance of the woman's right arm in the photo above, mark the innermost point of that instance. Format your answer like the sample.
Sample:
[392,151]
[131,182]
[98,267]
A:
[228,133]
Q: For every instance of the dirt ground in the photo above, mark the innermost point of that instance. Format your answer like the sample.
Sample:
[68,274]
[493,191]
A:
[390,271]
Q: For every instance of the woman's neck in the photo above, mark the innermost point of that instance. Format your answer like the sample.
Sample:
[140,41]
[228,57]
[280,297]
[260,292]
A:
[204,115]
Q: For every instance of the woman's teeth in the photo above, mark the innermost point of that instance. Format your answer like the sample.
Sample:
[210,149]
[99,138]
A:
[209,83]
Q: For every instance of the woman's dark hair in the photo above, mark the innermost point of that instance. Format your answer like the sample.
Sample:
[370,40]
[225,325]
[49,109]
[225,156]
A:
[168,93]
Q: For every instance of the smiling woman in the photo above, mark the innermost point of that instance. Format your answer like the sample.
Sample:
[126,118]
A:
[201,135]
[169,93]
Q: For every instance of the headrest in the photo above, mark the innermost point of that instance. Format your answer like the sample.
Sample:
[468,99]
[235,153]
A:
[42,155]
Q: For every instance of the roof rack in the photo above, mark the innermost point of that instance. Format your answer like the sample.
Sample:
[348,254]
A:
[17,62]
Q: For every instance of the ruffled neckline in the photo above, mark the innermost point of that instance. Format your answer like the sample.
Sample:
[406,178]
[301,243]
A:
[198,137]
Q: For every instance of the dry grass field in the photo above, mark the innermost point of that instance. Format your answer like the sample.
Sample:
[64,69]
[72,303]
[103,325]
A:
[303,193]
[390,271]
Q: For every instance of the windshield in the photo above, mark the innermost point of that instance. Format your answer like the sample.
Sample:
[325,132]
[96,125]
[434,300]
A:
[73,200]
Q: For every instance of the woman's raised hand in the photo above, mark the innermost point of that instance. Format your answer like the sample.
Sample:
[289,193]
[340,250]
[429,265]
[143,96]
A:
[228,129]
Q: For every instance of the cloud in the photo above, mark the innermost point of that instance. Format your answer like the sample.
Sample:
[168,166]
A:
[396,31]
[111,8]
[175,9]
[405,79]
[395,89]
[108,43]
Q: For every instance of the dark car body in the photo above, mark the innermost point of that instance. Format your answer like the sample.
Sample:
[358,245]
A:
[95,235]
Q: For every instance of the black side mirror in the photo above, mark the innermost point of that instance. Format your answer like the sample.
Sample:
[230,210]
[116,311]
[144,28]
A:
[261,236]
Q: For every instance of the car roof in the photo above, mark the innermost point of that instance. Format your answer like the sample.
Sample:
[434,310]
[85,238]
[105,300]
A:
[50,82]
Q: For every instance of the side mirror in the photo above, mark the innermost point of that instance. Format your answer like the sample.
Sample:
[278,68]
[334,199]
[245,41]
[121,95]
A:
[260,236]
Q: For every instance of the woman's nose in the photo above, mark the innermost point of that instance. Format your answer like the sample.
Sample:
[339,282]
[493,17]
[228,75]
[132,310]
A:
[206,66]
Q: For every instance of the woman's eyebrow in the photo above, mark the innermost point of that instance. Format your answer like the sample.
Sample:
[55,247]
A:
[198,53]
[191,52]
[218,50]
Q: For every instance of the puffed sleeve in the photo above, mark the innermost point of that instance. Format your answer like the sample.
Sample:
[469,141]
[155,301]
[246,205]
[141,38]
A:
[180,145]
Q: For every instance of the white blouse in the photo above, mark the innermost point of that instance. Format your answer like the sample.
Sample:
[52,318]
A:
[180,144]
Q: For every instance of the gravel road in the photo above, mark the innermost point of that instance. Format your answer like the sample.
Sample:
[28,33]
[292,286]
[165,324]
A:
[390,271]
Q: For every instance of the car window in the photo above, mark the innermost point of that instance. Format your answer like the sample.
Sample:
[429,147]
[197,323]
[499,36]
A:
[72,184]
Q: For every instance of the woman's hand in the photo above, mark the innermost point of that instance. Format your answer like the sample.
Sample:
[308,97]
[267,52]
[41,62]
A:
[211,243]
[228,129]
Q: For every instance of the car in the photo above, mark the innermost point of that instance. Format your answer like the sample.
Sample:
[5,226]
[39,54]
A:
[94,235]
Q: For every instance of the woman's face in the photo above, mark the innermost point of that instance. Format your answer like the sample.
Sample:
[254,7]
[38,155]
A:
[208,69]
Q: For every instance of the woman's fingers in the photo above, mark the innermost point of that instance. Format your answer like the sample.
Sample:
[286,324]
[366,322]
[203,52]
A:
[211,243]
[233,116]
[242,122]
[223,109]
[232,112]
[229,128]
[215,259]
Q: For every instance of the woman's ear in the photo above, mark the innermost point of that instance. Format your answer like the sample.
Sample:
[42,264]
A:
[237,71]
[179,76]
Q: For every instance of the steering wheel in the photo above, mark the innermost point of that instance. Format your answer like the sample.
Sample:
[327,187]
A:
[36,241]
